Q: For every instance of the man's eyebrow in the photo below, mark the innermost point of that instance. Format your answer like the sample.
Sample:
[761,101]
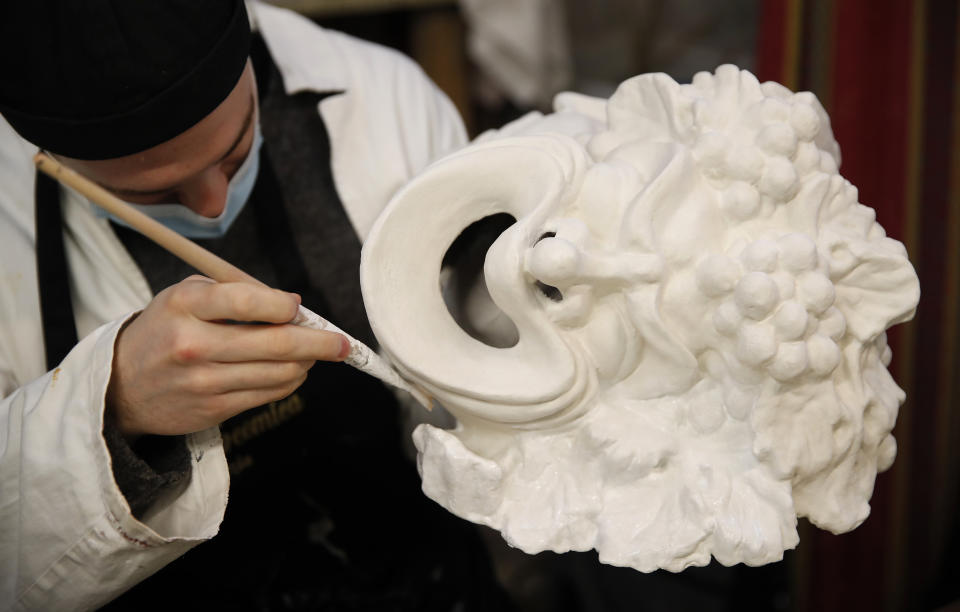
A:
[137,192]
[247,120]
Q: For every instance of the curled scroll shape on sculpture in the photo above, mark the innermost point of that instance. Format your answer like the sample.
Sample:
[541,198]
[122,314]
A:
[701,305]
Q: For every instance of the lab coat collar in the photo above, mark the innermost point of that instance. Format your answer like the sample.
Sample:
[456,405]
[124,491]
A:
[286,35]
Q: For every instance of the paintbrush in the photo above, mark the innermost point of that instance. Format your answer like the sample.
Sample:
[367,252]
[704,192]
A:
[361,356]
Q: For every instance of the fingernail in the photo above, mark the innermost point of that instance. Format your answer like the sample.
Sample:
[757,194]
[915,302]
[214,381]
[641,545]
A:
[344,347]
[297,297]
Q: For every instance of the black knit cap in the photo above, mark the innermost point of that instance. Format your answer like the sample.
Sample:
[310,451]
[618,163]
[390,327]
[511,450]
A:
[97,79]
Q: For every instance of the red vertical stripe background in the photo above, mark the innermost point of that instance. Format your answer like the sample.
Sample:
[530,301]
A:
[893,560]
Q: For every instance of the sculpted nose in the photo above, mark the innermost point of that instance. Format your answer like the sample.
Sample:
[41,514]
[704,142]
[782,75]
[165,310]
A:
[554,261]
[206,193]
[560,263]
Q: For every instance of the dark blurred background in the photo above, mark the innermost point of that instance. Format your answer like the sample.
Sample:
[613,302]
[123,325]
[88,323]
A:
[888,73]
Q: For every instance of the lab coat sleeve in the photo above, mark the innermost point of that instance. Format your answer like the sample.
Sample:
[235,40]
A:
[67,538]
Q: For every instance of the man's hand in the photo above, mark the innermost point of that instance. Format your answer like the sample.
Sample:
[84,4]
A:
[181,367]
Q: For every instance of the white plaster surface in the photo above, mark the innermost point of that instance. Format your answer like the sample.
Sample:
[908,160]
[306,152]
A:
[716,366]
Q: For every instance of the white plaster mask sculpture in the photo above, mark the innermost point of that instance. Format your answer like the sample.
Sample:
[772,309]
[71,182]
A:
[700,306]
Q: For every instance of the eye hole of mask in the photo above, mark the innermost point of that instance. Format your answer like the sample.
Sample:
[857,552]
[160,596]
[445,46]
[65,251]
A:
[464,288]
[549,291]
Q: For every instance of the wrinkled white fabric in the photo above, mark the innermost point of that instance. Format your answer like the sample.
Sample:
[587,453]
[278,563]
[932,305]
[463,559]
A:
[522,47]
[67,538]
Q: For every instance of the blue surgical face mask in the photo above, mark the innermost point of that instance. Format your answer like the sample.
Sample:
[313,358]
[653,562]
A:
[187,223]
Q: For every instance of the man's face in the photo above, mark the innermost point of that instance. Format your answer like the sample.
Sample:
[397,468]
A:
[193,168]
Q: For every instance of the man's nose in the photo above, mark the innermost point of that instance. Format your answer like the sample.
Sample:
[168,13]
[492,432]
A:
[206,193]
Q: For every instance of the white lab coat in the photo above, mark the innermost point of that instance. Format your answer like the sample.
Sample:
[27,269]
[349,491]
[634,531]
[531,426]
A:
[67,537]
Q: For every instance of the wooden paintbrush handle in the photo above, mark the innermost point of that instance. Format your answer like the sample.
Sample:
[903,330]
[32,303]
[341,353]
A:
[361,356]
[203,260]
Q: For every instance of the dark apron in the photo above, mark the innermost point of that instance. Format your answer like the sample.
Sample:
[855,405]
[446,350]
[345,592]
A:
[325,511]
